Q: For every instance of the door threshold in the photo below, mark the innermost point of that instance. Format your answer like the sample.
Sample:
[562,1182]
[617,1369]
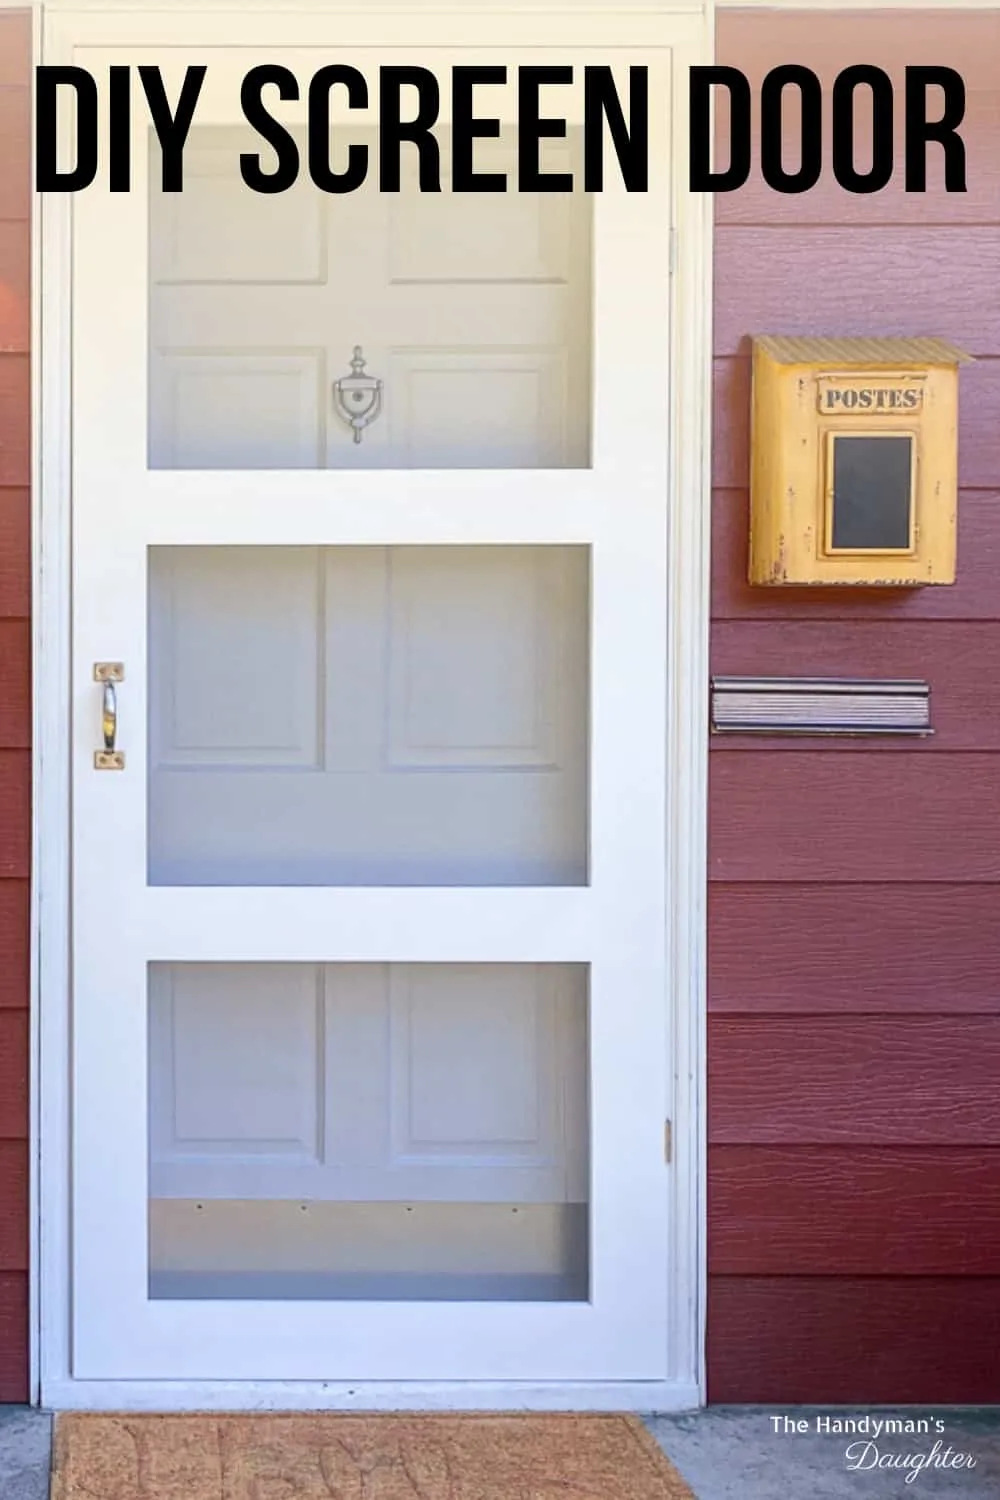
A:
[252,1395]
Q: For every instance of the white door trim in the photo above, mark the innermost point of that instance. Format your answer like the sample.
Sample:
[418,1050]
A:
[689,34]
[678,7]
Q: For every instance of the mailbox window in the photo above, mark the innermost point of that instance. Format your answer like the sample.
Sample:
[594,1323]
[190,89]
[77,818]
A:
[871,496]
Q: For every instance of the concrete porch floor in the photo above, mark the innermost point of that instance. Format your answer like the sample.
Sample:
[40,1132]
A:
[734,1453]
[725,1453]
[25,1451]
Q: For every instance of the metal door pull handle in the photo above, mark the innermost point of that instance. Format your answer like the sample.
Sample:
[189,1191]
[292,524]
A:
[107,673]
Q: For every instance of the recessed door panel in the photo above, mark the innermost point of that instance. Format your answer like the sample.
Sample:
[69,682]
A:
[352,716]
[454,1090]
[473,310]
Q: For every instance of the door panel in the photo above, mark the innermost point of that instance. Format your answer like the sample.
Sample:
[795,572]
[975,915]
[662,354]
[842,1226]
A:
[369,932]
[368,716]
[473,309]
[456,1093]
[371,1081]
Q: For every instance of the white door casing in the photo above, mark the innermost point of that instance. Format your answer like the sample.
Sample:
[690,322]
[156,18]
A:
[616,924]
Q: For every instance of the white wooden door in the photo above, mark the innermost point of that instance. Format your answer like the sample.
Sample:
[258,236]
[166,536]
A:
[370,1022]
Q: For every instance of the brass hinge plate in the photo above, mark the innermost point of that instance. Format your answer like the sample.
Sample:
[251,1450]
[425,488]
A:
[668,1142]
[109,671]
[109,760]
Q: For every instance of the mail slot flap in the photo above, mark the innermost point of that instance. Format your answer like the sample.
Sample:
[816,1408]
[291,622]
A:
[810,705]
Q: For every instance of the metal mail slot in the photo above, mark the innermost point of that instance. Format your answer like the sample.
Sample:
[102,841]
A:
[816,705]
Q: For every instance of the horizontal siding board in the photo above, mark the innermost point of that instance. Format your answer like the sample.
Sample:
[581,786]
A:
[854,1341]
[15,290]
[865,1080]
[14,1336]
[840,950]
[979,432]
[15,814]
[832,815]
[15,132]
[13,1075]
[968,42]
[829,203]
[15,417]
[14,941]
[13,1206]
[731,411]
[834,42]
[782,1211]
[957,658]
[975,596]
[857,280]
[15,51]
[15,553]
[15,684]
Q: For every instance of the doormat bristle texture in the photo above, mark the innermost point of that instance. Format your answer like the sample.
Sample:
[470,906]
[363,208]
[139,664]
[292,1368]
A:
[330,1456]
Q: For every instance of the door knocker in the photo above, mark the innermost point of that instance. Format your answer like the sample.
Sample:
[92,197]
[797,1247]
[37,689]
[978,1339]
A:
[358,397]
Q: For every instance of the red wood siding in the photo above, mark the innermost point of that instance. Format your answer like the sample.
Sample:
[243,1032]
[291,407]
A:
[15,693]
[854,906]
[872,1080]
[944,1220]
[839,815]
[913,949]
[853,1340]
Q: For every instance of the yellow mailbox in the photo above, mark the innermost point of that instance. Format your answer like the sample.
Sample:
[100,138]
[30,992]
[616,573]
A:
[854,461]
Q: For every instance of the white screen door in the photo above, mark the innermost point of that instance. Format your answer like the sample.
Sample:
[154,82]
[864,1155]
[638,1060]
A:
[369,999]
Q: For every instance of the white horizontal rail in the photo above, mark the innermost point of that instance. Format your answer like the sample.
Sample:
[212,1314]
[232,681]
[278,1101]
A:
[321,925]
[374,509]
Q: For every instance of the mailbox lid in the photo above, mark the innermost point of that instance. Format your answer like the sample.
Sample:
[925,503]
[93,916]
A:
[854,352]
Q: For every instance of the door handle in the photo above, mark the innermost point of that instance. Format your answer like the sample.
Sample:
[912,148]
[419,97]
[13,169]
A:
[108,673]
[109,716]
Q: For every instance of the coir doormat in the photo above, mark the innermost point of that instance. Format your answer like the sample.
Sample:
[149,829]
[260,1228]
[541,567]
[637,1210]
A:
[330,1456]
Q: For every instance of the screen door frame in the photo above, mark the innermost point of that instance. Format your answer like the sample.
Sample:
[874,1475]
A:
[679,1379]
